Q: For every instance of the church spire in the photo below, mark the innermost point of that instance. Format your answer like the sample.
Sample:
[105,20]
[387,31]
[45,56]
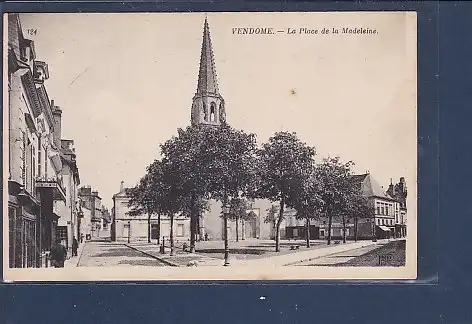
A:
[207,82]
[208,107]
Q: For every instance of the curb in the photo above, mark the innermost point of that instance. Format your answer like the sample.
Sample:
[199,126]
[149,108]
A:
[80,254]
[153,256]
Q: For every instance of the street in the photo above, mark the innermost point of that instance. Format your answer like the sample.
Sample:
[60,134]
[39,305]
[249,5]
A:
[108,254]
[103,253]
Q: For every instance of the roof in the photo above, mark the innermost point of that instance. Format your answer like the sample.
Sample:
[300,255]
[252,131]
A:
[121,193]
[370,187]
[207,81]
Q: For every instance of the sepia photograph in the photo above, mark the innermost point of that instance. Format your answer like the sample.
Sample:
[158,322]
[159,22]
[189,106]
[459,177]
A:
[210,146]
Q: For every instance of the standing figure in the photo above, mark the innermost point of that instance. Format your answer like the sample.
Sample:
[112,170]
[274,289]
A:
[58,255]
[75,247]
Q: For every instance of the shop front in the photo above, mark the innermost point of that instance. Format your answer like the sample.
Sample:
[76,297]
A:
[23,211]
[49,192]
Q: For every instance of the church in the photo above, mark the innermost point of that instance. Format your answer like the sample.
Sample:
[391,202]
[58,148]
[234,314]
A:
[208,108]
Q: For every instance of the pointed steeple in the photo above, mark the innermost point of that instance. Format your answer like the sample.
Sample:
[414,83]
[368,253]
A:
[208,106]
[207,81]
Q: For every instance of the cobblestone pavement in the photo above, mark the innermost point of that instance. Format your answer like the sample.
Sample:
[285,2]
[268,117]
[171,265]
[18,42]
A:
[97,254]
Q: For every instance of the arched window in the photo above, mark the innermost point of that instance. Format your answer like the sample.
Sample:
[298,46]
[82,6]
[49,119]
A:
[205,111]
[212,112]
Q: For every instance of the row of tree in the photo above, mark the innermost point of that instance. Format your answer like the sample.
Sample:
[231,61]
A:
[225,164]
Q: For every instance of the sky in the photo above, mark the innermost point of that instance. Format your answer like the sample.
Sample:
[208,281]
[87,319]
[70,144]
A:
[125,83]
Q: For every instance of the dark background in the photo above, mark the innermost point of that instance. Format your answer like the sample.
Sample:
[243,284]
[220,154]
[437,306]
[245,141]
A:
[442,292]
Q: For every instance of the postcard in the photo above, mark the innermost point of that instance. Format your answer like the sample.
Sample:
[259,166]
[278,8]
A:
[210,146]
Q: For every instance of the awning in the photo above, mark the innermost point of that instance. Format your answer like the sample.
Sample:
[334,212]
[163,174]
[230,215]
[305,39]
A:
[54,185]
[384,228]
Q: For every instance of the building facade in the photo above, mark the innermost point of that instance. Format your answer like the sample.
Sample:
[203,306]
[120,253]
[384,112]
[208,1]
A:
[399,193]
[35,182]
[389,217]
[135,228]
[90,200]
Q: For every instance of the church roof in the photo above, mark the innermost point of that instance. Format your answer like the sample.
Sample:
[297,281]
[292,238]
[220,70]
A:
[207,81]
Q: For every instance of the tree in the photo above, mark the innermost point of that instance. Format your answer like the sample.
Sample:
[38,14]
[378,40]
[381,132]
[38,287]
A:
[239,212]
[307,200]
[141,200]
[337,189]
[184,153]
[282,163]
[272,215]
[362,207]
[173,199]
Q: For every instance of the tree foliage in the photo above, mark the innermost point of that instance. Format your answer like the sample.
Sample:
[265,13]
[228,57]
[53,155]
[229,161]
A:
[282,164]
[338,188]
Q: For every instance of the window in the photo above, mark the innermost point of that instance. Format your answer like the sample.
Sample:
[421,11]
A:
[378,210]
[39,157]
[61,234]
[46,163]
[28,162]
[33,164]
[295,232]
[212,112]
[205,112]
[180,230]
[383,210]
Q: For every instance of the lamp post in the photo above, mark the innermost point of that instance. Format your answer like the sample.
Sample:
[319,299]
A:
[129,230]
[225,210]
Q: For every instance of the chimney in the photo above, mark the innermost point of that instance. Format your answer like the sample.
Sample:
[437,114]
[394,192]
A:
[122,186]
[57,114]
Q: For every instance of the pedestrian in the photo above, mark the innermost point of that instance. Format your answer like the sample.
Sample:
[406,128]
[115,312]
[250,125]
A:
[81,237]
[58,255]
[75,246]
[206,236]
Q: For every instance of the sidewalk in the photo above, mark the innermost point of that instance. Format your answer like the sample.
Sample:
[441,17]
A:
[73,262]
[297,257]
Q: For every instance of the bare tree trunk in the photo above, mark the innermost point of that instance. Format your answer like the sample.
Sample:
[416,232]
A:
[307,232]
[171,234]
[356,221]
[344,228]
[237,230]
[277,229]
[158,228]
[149,228]
[330,223]
[243,230]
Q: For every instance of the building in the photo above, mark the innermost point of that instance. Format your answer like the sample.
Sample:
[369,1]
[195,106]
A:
[90,200]
[399,193]
[68,225]
[388,221]
[85,224]
[35,181]
[135,228]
